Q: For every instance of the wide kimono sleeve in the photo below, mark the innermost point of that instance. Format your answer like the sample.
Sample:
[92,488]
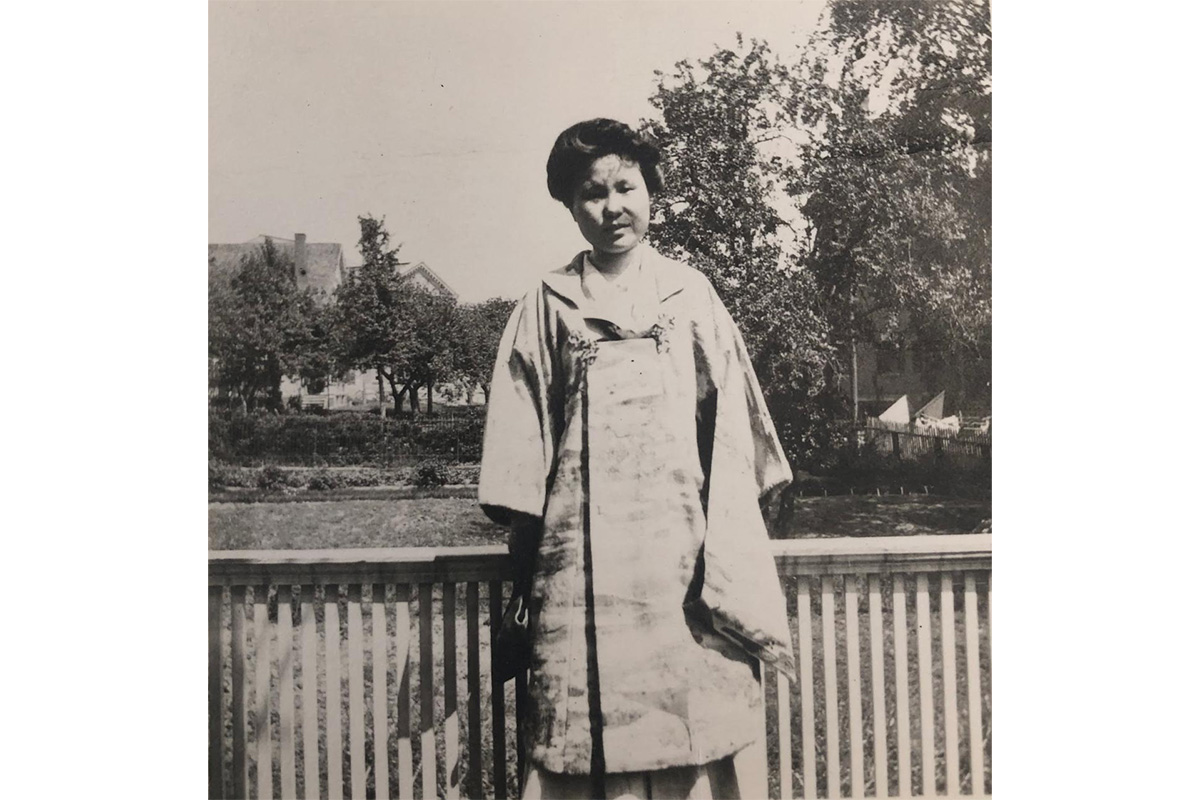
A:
[747,422]
[518,447]
[741,587]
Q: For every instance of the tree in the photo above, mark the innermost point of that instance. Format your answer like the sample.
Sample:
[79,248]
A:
[318,358]
[387,323]
[480,326]
[841,199]
[894,175]
[258,326]
[720,211]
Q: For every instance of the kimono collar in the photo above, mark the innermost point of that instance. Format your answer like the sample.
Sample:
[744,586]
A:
[567,281]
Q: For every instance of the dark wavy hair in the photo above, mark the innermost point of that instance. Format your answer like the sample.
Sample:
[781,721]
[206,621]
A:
[581,144]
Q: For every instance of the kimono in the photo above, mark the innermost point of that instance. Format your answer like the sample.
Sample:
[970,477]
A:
[644,454]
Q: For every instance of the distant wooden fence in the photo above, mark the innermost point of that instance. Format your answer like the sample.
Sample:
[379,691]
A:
[906,442]
[332,675]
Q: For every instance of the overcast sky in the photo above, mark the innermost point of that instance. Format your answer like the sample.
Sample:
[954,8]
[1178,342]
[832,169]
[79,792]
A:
[438,115]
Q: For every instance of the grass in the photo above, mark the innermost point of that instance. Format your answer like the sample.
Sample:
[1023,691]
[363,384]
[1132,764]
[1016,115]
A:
[421,522]
[451,517]
[889,515]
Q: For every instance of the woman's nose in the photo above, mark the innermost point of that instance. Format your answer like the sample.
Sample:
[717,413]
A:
[613,206]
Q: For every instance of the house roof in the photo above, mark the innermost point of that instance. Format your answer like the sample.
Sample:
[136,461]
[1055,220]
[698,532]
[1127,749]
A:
[420,271]
[325,268]
[424,275]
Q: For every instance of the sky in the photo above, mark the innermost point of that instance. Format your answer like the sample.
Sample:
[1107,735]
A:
[439,116]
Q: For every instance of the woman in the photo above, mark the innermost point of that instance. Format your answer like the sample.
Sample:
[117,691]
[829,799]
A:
[628,446]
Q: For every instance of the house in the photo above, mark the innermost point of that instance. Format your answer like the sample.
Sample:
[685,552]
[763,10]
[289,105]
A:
[887,372]
[322,266]
[318,265]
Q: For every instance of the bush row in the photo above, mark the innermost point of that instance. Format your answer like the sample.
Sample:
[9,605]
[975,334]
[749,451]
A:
[431,472]
[340,439]
[865,469]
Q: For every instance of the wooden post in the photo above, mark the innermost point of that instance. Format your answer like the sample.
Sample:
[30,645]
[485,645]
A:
[216,724]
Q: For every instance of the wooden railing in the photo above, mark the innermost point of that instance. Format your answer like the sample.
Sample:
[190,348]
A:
[893,698]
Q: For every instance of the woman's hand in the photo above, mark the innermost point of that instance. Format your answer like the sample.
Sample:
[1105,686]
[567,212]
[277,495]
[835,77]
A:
[524,533]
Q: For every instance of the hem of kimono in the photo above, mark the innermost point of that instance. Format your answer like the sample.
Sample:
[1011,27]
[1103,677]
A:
[698,760]
[779,483]
[745,777]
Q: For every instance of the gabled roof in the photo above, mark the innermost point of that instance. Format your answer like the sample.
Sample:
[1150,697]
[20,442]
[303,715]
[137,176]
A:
[325,268]
[424,275]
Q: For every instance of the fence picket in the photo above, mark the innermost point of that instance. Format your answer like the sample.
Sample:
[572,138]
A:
[878,709]
[262,694]
[521,698]
[784,704]
[287,697]
[854,684]
[333,693]
[404,748]
[925,684]
[428,747]
[974,708]
[379,692]
[833,773]
[450,692]
[900,654]
[949,684]
[241,767]
[808,725]
[474,782]
[358,716]
[308,675]
[499,771]
[216,722]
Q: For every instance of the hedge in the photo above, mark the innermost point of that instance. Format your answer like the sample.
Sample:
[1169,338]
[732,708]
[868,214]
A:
[348,438]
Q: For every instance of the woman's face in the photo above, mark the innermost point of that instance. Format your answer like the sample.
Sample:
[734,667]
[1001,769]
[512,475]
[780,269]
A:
[612,205]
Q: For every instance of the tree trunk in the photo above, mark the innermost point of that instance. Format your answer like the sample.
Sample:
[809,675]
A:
[429,398]
[382,409]
[854,375]
[414,401]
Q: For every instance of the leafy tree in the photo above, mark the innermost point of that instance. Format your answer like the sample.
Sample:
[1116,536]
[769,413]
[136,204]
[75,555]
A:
[387,323]
[720,211]
[480,326]
[318,356]
[894,175]
[259,323]
[840,199]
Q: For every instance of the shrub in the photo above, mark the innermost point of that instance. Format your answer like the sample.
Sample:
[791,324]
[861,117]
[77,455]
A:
[219,475]
[430,473]
[273,478]
[464,474]
[323,481]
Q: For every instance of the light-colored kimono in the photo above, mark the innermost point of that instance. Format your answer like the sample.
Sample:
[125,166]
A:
[645,454]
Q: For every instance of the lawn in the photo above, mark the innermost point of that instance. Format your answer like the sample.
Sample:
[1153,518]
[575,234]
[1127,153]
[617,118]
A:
[457,521]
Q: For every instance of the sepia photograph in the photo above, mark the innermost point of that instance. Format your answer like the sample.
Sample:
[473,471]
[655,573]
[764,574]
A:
[599,399]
